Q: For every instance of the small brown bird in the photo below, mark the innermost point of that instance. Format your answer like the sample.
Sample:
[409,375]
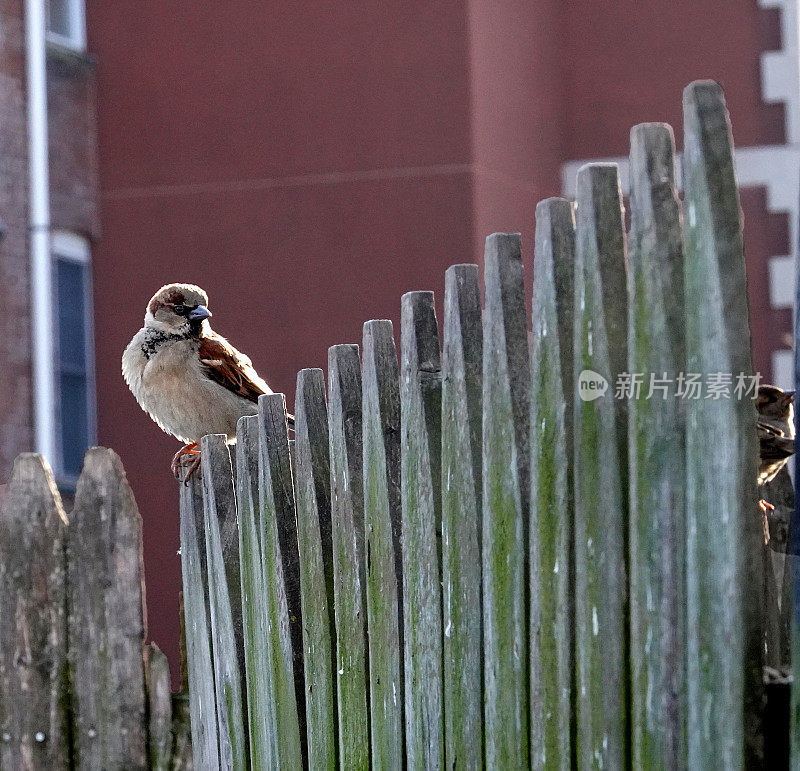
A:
[775,426]
[185,376]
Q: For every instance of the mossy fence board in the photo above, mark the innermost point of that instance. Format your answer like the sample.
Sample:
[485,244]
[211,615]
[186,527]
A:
[485,552]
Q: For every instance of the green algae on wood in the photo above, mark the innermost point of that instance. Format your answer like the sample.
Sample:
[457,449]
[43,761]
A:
[552,581]
[313,500]
[461,524]
[506,407]
[349,562]
[420,462]
[381,446]
[600,438]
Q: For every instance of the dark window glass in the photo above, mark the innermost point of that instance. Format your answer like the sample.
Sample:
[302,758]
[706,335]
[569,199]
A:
[58,17]
[74,422]
[73,379]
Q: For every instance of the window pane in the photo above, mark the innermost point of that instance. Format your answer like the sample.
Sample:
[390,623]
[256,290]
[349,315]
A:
[74,422]
[58,17]
[71,283]
[73,363]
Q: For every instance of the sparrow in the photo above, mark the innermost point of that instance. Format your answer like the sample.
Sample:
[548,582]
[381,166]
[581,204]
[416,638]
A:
[775,427]
[187,378]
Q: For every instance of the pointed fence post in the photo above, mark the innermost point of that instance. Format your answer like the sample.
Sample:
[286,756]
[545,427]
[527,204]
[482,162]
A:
[255,604]
[657,442]
[462,405]
[506,412]
[105,576]
[224,592]
[600,426]
[313,498]
[381,433]
[278,528]
[724,542]
[200,669]
[33,636]
[420,489]
[349,561]
[552,560]
[159,709]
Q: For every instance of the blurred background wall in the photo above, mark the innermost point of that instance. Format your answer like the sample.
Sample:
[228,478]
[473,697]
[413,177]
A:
[306,163]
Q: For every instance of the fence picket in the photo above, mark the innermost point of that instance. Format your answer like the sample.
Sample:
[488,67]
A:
[724,544]
[200,669]
[600,429]
[313,499]
[255,619]
[278,530]
[506,406]
[420,492]
[462,360]
[159,709]
[792,591]
[224,592]
[657,468]
[552,581]
[381,439]
[33,635]
[106,623]
[349,563]
[182,753]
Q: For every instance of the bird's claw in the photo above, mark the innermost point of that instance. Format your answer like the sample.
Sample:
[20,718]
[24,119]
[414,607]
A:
[766,508]
[179,463]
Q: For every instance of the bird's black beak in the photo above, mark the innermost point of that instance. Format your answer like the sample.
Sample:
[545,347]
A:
[199,313]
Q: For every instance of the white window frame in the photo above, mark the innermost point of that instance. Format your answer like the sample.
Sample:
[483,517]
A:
[76,40]
[67,245]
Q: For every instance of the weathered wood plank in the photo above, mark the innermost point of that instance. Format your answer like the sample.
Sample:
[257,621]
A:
[382,523]
[105,579]
[182,758]
[313,499]
[159,709]
[724,556]
[199,667]
[552,564]
[255,613]
[600,435]
[349,562]
[420,494]
[777,567]
[278,530]
[657,463]
[33,635]
[793,567]
[462,403]
[506,413]
[224,592]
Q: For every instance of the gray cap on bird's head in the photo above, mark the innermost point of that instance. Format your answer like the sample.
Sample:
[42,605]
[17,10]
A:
[175,305]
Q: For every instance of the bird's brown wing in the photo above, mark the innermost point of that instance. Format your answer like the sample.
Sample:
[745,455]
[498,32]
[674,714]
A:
[776,448]
[232,369]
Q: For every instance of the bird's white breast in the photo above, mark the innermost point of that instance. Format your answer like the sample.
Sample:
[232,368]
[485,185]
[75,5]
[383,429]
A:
[173,388]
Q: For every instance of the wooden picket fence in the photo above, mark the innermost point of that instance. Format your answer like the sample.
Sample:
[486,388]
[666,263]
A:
[78,686]
[456,561]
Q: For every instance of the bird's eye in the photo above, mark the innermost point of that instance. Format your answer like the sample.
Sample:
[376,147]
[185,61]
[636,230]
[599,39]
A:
[180,310]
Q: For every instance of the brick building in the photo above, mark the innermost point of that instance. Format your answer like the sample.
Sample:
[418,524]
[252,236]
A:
[308,162]
[71,186]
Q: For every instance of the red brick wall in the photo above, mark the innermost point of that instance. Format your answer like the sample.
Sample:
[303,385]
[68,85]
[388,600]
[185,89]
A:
[16,432]
[628,63]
